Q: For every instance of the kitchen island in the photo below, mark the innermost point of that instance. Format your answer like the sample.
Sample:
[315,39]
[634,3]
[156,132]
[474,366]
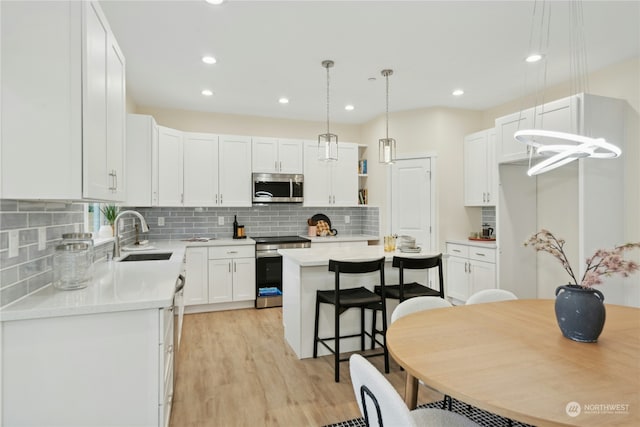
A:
[304,271]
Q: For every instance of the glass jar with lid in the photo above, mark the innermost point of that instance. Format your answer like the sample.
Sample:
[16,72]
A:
[80,238]
[72,266]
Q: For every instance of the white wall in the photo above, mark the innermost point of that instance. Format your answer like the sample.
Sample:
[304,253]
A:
[437,131]
[233,124]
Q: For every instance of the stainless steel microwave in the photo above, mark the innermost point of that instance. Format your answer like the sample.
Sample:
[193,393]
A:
[278,188]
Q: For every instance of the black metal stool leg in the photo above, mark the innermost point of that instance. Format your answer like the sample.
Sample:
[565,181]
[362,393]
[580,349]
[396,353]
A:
[361,328]
[315,329]
[336,354]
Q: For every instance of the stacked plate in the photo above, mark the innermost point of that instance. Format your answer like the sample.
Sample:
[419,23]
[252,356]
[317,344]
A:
[408,244]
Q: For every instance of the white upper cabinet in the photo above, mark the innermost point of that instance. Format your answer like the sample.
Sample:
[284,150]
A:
[142,161]
[333,183]
[200,169]
[64,117]
[480,169]
[272,155]
[170,167]
[234,173]
[561,115]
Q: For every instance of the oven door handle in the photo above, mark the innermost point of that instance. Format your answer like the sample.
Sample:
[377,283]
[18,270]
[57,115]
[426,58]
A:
[272,253]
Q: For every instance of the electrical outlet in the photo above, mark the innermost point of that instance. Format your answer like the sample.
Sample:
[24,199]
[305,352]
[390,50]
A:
[42,238]
[220,220]
[14,239]
[161,221]
[347,219]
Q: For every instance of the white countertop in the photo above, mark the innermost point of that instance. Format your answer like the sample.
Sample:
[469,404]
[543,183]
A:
[478,243]
[116,286]
[319,256]
[341,238]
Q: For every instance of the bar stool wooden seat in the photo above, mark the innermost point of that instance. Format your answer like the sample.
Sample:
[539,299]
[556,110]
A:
[343,299]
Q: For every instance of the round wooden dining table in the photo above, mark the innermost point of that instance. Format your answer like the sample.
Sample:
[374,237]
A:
[511,359]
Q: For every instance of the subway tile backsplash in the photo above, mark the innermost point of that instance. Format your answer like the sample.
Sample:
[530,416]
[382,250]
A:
[32,268]
[272,220]
[489,216]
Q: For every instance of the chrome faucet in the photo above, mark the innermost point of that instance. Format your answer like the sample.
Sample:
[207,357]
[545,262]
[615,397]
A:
[116,225]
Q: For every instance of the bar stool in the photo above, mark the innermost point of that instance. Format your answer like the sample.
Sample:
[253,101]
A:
[344,299]
[404,291]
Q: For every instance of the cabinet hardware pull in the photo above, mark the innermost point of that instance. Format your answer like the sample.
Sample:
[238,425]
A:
[488,197]
[234,267]
[115,176]
[216,198]
[229,267]
[455,250]
[280,166]
[220,198]
[465,266]
[276,165]
[232,252]
[469,268]
[479,254]
[484,197]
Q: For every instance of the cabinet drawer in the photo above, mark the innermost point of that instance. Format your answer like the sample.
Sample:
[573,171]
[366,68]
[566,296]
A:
[482,254]
[221,252]
[455,249]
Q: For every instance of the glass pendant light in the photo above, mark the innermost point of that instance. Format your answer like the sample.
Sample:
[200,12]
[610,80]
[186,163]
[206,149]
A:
[565,147]
[387,146]
[327,142]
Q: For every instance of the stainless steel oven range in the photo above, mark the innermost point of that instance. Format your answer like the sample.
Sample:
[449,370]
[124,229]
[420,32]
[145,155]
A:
[269,267]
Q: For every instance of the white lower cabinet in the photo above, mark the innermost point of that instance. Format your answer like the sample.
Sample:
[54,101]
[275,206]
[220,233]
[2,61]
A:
[99,369]
[232,272]
[470,268]
[220,274]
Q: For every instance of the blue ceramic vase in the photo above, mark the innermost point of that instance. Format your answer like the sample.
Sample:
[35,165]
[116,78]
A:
[580,312]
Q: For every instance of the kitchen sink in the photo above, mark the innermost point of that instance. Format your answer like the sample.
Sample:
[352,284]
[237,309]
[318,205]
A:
[156,256]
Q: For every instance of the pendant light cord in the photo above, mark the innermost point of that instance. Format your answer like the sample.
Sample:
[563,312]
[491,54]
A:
[387,111]
[328,131]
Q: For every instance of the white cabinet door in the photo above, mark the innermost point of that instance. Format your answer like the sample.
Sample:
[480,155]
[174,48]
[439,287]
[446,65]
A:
[457,278]
[482,276]
[142,160]
[492,169]
[244,279]
[475,169]
[234,171]
[344,176]
[331,183]
[170,176]
[97,179]
[317,185]
[116,119]
[290,156]
[508,148]
[200,169]
[560,115]
[220,280]
[265,155]
[196,288]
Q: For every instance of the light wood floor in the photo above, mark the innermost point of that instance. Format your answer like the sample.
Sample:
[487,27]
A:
[234,368]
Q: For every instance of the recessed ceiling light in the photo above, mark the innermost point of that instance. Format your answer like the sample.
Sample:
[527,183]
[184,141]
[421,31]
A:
[457,92]
[283,100]
[534,57]
[349,107]
[216,2]
[372,79]
[209,60]
[207,92]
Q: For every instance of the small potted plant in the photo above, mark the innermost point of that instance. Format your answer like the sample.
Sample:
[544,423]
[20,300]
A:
[579,307]
[110,213]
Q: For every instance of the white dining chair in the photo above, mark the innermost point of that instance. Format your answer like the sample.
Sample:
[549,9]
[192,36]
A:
[490,295]
[416,304]
[381,405]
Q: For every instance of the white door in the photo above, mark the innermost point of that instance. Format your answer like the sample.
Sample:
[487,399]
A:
[169,167]
[317,188]
[475,169]
[482,275]
[457,278]
[220,280]
[290,156]
[234,172]
[244,279]
[344,176]
[411,192]
[116,101]
[265,155]
[200,169]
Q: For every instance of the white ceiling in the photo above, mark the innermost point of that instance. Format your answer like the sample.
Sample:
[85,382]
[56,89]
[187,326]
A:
[269,49]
